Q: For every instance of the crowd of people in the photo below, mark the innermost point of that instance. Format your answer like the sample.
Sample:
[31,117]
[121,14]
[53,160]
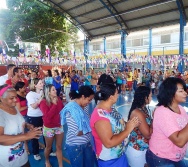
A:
[32,107]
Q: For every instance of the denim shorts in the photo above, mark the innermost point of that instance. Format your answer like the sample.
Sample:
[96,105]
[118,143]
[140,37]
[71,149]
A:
[155,161]
[51,132]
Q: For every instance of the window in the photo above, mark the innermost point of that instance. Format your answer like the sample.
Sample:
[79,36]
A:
[129,44]
[116,44]
[96,46]
[137,42]
[109,45]
[146,41]
[186,36]
[165,38]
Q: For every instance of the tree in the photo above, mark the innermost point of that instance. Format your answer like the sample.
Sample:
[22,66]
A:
[32,21]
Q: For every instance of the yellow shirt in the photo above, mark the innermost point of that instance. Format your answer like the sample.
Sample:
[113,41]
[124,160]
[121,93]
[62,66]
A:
[130,76]
[66,82]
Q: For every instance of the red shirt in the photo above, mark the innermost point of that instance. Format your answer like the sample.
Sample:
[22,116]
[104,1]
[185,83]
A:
[51,113]
[23,103]
[9,82]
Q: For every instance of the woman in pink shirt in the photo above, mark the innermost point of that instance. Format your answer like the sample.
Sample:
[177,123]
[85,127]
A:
[109,129]
[168,142]
[52,129]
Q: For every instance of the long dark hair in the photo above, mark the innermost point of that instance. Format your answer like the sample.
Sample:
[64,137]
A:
[141,93]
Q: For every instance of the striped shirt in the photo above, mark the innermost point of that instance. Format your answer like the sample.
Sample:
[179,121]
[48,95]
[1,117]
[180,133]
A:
[71,137]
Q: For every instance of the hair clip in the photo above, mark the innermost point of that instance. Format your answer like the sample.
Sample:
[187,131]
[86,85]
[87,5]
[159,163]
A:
[77,92]
[99,95]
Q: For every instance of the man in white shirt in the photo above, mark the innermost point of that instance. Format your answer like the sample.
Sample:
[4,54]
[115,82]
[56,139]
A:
[9,74]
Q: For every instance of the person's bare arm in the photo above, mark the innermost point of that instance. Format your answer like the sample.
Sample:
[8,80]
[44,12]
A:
[20,108]
[144,128]
[7,140]
[180,138]
[108,139]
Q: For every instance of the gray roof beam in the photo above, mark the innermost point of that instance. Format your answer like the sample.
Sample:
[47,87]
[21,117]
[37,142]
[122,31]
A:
[115,3]
[120,17]
[137,18]
[131,10]
[62,2]
[112,14]
[78,6]
[140,27]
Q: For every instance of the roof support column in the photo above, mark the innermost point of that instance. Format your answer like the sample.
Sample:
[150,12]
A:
[104,45]
[86,50]
[150,48]
[181,45]
[181,38]
[123,43]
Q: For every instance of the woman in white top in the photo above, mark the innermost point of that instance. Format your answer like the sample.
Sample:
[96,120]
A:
[139,78]
[34,113]
[12,125]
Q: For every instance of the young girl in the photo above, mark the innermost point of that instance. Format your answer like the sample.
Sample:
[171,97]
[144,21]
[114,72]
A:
[153,87]
[123,86]
[52,129]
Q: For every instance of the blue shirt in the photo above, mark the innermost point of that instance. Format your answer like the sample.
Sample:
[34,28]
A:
[57,85]
[74,84]
[48,81]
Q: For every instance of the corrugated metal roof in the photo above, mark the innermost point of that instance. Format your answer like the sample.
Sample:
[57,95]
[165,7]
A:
[98,18]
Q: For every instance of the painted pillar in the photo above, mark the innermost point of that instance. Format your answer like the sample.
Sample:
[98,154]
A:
[150,48]
[104,51]
[181,38]
[123,44]
[86,50]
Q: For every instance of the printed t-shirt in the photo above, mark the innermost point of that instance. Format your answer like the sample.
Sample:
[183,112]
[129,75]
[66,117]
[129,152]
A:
[33,97]
[165,123]
[113,118]
[15,154]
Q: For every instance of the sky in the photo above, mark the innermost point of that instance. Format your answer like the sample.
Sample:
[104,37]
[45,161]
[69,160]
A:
[81,35]
[3,4]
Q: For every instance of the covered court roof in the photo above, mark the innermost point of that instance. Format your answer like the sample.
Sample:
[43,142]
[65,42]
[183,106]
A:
[97,18]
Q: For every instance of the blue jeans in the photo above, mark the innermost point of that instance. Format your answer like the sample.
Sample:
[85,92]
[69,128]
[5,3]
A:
[155,161]
[134,85]
[81,155]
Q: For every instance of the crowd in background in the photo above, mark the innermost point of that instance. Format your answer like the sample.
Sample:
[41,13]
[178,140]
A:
[32,107]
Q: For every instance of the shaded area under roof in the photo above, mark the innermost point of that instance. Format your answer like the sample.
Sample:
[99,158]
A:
[97,18]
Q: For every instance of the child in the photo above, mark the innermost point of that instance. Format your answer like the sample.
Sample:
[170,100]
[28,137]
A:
[123,86]
[153,87]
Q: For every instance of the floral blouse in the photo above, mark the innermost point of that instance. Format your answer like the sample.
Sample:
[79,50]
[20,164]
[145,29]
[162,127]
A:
[136,139]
